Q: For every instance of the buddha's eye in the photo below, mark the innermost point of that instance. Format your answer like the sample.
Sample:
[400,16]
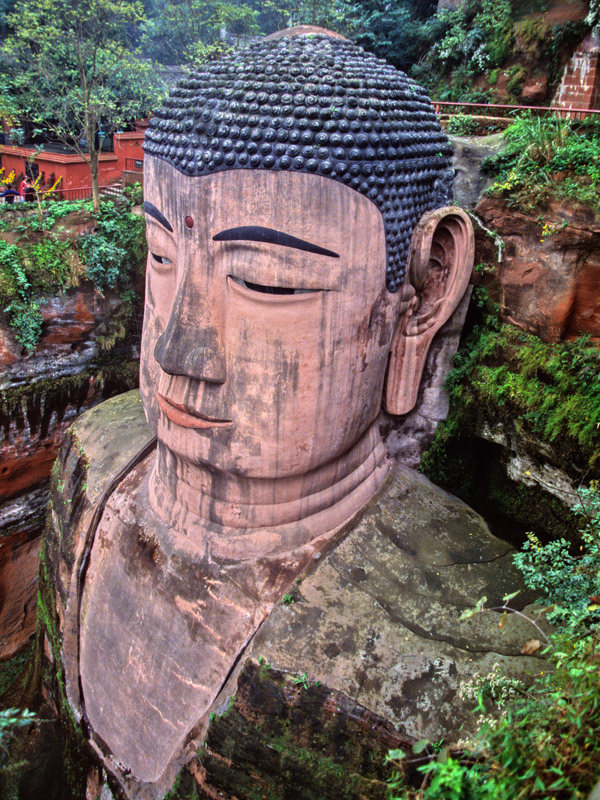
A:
[161,259]
[260,287]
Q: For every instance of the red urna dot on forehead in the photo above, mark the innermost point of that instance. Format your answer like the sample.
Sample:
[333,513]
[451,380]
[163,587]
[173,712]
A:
[189,222]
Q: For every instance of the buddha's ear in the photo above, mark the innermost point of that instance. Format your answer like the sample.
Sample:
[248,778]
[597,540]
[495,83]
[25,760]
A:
[439,267]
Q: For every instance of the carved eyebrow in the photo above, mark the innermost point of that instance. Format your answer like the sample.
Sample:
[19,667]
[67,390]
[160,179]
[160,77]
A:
[255,233]
[153,211]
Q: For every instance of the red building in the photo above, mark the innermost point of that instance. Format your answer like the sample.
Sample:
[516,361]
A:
[53,162]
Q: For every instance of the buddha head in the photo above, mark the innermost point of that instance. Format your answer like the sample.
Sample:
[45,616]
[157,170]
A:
[301,255]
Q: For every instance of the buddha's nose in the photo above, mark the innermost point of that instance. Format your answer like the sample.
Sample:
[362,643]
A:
[192,344]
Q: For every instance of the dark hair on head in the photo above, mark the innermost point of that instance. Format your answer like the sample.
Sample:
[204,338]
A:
[313,103]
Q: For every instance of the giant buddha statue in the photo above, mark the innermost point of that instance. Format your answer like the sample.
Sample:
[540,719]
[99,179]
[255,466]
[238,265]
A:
[302,257]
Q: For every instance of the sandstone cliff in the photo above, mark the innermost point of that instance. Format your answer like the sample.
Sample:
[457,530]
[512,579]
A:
[41,394]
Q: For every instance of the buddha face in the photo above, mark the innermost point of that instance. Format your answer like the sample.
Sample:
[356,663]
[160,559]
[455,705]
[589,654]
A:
[267,324]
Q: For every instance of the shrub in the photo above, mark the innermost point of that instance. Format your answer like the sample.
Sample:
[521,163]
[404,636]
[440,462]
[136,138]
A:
[49,266]
[11,720]
[26,320]
[116,248]
[547,389]
[134,193]
[545,743]
[46,262]
[106,261]
[547,152]
[461,125]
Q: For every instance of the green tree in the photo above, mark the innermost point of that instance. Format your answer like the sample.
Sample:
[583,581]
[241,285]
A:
[400,31]
[71,70]
[6,7]
[333,14]
[183,31]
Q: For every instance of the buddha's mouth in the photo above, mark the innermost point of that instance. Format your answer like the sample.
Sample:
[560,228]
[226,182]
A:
[186,418]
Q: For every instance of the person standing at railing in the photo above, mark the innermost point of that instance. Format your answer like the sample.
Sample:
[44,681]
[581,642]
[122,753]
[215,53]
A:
[9,194]
[29,193]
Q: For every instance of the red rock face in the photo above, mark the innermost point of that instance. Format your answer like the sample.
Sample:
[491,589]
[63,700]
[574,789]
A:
[18,582]
[549,283]
[585,314]
[43,393]
[534,91]
[27,457]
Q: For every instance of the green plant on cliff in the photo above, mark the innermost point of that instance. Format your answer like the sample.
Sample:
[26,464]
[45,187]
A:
[470,40]
[545,742]
[15,290]
[547,389]
[512,384]
[462,125]
[593,18]
[12,721]
[48,260]
[547,158]
[115,248]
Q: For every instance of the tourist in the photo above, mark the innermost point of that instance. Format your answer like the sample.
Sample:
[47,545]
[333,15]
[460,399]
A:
[9,194]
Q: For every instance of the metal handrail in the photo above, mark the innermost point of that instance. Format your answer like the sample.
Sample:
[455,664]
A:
[506,110]
[82,193]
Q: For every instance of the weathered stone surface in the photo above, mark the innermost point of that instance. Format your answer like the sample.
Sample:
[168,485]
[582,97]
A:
[18,581]
[378,617]
[376,621]
[285,737]
[89,455]
[21,519]
[73,326]
[535,89]
[530,461]
[549,285]
[469,152]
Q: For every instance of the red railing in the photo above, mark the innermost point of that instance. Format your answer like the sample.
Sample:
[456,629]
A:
[134,164]
[83,193]
[499,110]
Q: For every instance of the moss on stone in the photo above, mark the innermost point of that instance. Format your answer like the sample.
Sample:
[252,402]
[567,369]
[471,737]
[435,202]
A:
[76,753]
[545,396]
[282,741]
[11,676]
[37,403]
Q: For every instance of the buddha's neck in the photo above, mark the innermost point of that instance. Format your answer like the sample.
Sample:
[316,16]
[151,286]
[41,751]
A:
[192,499]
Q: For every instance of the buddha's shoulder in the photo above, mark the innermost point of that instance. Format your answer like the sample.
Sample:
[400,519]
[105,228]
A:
[107,438]
[415,516]
[379,616]
[97,453]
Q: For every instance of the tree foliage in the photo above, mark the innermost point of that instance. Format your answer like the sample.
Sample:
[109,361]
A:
[593,18]
[70,69]
[176,31]
[187,31]
[400,31]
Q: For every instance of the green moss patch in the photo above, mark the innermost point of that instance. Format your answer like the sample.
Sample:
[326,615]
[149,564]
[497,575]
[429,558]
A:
[43,255]
[543,392]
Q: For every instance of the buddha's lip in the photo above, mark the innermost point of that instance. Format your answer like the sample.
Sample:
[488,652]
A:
[182,416]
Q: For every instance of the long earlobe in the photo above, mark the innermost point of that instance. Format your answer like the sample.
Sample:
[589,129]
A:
[439,267]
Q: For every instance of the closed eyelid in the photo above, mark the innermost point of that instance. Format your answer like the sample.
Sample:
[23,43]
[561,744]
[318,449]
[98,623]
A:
[256,233]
